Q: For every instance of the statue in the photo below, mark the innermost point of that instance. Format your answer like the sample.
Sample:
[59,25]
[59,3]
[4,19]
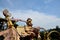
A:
[6,13]
[33,32]
[11,33]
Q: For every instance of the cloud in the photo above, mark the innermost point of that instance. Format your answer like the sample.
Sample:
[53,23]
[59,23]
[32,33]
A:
[39,19]
[1,15]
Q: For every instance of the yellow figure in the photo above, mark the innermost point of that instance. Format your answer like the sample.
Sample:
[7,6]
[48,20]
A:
[11,32]
[7,17]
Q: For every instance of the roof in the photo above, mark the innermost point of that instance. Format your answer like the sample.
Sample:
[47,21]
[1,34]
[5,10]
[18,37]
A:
[2,19]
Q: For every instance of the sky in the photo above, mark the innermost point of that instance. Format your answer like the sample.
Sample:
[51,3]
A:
[44,13]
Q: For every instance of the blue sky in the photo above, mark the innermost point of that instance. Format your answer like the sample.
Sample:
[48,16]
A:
[49,9]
